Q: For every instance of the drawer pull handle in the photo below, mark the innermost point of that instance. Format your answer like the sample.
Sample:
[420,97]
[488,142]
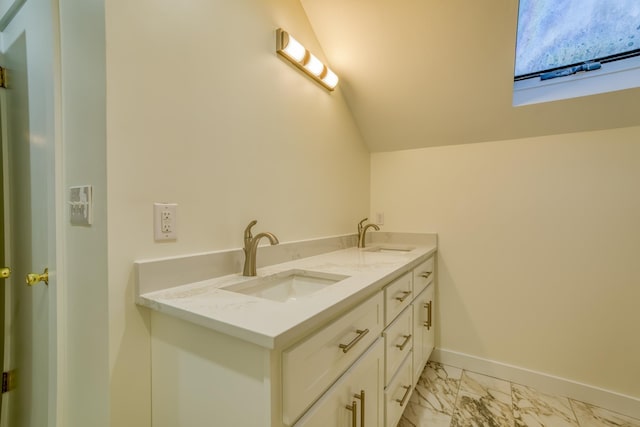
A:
[407,338]
[406,395]
[429,307]
[426,274]
[354,411]
[361,397]
[361,333]
[404,296]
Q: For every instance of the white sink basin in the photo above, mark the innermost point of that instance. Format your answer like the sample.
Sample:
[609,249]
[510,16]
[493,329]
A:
[287,286]
[390,249]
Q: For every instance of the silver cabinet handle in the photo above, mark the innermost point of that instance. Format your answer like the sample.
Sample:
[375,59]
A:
[354,412]
[404,296]
[407,338]
[361,333]
[406,395]
[361,397]
[429,307]
[426,274]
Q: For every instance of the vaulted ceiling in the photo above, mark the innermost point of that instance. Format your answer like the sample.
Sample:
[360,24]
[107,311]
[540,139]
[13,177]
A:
[420,73]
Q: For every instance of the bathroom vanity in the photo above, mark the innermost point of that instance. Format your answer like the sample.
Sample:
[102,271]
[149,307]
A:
[334,339]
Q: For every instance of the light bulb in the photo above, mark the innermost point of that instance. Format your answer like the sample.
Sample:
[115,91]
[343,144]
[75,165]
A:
[330,78]
[314,65]
[294,49]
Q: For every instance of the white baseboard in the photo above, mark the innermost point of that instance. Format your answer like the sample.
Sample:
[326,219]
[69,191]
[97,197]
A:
[623,404]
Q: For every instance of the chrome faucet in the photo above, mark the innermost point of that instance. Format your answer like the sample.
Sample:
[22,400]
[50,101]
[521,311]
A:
[362,231]
[251,247]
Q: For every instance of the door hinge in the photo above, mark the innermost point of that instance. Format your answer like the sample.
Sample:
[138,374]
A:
[3,77]
[8,381]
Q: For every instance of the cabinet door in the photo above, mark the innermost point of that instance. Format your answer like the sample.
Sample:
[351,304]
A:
[429,339]
[423,330]
[419,317]
[358,392]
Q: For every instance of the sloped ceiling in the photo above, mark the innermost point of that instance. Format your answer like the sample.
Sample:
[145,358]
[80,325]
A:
[420,73]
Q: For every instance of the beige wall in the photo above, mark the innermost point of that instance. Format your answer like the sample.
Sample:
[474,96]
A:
[203,113]
[539,244]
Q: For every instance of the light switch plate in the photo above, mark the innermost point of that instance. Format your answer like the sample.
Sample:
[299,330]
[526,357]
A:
[81,205]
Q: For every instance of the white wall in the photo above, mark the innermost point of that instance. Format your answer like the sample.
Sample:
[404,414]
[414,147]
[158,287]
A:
[539,243]
[85,381]
[202,112]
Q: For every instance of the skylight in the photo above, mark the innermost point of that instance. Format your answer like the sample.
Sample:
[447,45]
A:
[557,34]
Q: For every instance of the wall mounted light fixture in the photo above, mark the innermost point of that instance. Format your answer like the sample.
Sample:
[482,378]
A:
[291,49]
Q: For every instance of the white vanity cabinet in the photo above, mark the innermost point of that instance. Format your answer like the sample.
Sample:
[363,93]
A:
[355,368]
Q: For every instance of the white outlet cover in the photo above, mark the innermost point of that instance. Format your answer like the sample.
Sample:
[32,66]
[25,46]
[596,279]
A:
[165,221]
[81,205]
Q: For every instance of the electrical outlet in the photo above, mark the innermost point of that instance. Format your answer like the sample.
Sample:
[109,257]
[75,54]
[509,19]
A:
[164,221]
[380,218]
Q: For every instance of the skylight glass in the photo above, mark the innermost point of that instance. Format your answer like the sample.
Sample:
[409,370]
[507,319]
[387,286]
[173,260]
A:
[554,34]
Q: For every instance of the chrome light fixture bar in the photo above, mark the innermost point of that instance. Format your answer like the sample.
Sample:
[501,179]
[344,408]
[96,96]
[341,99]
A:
[292,50]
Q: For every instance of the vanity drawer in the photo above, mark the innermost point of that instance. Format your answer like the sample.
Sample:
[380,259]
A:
[398,393]
[398,342]
[312,365]
[423,275]
[398,295]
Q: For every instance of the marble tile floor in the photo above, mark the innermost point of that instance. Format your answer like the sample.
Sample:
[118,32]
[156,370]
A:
[452,397]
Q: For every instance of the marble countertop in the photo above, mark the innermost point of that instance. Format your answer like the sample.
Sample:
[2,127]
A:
[273,324]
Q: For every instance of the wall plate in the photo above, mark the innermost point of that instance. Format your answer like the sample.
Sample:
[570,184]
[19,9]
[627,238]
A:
[165,221]
[81,205]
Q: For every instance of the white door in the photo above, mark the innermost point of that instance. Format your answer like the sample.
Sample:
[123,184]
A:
[28,139]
